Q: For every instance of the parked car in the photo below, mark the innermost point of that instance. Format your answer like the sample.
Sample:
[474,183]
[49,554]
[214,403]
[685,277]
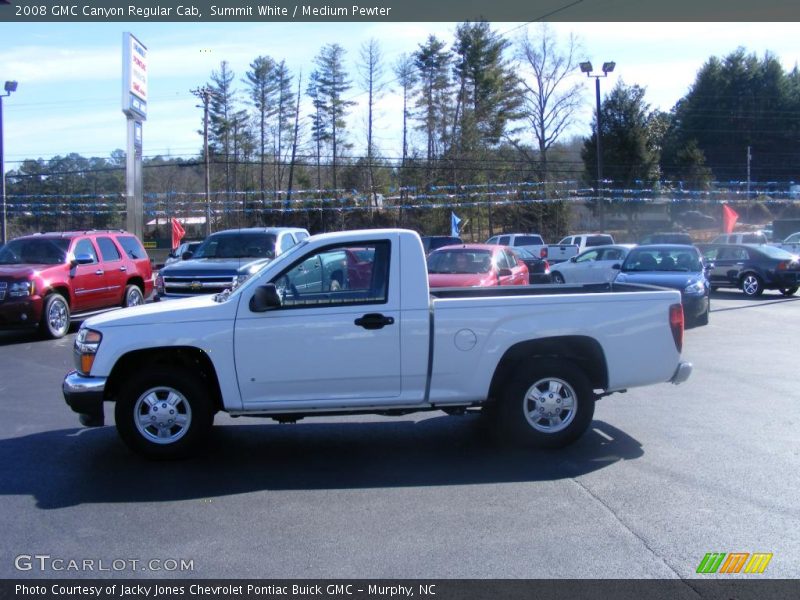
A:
[748,237]
[471,265]
[50,278]
[679,267]
[588,240]
[694,219]
[225,259]
[752,268]
[791,244]
[537,360]
[538,268]
[179,252]
[432,242]
[534,244]
[592,266]
[666,237]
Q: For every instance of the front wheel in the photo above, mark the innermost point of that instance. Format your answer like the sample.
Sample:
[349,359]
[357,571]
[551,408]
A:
[557,277]
[752,285]
[548,403]
[55,316]
[164,413]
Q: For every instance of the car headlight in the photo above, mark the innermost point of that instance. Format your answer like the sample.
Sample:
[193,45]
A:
[21,289]
[695,288]
[86,344]
[159,283]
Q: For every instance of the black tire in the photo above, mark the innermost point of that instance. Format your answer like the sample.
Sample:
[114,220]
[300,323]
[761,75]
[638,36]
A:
[751,285]
[702,319]
[516,412]
[181,398]
[55,317]
[789,291]
[557,277]
[133,296]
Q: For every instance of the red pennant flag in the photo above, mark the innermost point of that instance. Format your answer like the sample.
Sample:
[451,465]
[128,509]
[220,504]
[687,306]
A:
[177,233]
[729,218]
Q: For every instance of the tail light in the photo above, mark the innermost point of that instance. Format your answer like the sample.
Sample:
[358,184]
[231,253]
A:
[676,324]
[543,252]
[783,265]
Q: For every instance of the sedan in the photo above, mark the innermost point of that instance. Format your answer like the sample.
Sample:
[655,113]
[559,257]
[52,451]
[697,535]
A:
[673,266]
[592,266]
[753,268]
[471,265]
[538,268]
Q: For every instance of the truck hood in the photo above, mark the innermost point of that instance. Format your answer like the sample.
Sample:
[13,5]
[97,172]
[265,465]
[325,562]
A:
[214,266]
[200,308]
[24,271]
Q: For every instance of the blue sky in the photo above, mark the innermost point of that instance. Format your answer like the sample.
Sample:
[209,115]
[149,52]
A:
[69,75]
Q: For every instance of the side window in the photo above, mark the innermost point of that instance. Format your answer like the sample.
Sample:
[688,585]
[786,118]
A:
[511,260]
[567,241]
[337,275]
[503,240]
[108,251]
[287,241]
[587,257]
[300,235]
[711,254]
[492,240]
[85,246]
[610,254]
[132,247]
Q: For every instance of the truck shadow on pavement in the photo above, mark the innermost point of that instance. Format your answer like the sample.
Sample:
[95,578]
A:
[70,467]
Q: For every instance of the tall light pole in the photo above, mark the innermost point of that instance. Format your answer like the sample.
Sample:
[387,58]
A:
[608,67]
[10,86]
[205,93]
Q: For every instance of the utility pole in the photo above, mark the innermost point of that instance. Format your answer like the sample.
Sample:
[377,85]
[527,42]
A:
[749,156]
[204,93]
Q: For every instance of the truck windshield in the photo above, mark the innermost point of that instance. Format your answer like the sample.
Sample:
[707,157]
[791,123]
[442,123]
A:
[33,251]
[237,245]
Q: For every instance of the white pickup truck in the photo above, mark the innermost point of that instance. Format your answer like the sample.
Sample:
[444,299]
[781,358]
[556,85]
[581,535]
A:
[289,343]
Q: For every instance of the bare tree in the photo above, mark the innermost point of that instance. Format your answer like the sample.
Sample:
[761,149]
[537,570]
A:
[551,97]
[370,71]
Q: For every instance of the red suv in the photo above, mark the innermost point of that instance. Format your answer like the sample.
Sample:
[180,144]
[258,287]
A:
[46,277]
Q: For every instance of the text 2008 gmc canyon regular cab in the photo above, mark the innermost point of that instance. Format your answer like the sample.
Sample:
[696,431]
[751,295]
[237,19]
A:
[291,343]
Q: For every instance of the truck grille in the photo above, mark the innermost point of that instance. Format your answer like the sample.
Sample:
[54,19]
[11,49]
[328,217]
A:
[197,285]
[3,288]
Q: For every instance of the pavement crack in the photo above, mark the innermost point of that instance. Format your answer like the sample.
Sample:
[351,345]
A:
[644,542]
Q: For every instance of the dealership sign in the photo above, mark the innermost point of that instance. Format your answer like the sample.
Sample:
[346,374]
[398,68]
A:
[134,77]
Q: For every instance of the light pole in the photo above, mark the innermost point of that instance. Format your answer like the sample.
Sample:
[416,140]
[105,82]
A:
[10,86]
[608,67]
[205,94]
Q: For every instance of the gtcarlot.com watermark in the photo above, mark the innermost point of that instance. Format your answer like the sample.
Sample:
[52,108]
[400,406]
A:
[43,563]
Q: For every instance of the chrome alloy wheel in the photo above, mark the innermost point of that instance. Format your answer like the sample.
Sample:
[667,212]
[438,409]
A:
[134,297]
[162,415]
[57,316]
[550,405]
[750,285]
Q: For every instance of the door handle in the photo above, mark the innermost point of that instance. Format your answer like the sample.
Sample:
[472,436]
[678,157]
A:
[99,272]
[123,268]
[374,321]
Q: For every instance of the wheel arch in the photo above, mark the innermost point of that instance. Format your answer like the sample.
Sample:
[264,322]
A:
[188,357]
[584,351]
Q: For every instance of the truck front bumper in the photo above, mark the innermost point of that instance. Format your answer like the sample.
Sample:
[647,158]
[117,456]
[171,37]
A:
[84,395]
[681,373]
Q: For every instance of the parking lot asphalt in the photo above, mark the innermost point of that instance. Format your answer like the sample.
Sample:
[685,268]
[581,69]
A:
[665,475]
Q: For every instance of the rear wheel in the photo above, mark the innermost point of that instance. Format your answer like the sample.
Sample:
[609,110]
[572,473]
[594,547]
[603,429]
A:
[164,413]
[55,316]
[752,285]
[548,403]
[557,277]
[789,291]
[133,296]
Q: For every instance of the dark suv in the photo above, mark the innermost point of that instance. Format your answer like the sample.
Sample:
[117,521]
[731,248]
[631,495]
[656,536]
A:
[48,278]
[225,259]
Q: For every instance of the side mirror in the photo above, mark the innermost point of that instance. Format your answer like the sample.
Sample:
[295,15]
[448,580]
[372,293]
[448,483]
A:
[83,259]
[616,266]
[187,255]
[266,297]
[573,259]
[504,273]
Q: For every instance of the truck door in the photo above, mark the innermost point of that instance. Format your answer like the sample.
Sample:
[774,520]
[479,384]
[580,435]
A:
[88,279]
[325,345]
[115,270]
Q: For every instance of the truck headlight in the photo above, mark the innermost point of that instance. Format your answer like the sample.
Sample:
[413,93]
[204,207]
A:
[86,344]
[21,289]
[696,288]
[240,279]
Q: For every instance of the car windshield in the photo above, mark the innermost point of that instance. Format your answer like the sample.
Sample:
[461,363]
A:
[663,259]
[461,261]
[237,245]
[30,251]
